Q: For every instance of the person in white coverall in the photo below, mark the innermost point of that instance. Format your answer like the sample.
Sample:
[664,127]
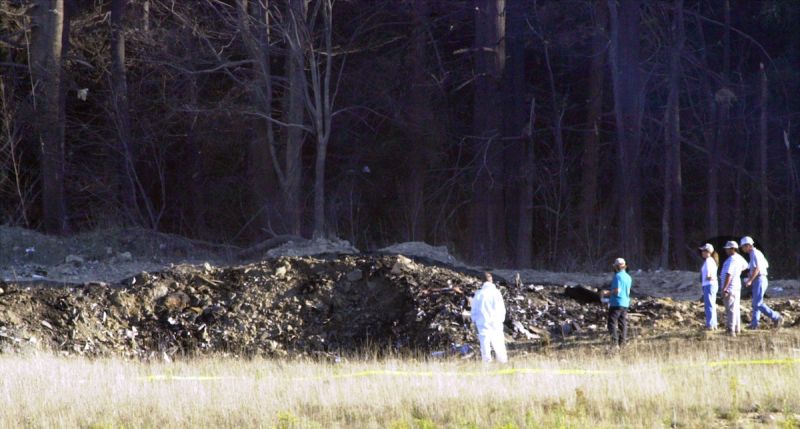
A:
[488,314]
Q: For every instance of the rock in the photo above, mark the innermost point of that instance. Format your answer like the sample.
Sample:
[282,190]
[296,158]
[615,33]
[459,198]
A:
[74,259]
[402,265]
[158,291]
[281,271]
[355,275]
[176,301]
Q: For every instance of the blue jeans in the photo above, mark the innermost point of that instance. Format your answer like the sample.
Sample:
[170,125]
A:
[759,306]
[710,301]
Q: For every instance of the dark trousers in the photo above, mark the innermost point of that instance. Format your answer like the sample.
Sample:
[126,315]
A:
[618,324]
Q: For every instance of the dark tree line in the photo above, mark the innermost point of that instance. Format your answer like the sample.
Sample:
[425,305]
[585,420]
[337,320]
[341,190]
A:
[517,132]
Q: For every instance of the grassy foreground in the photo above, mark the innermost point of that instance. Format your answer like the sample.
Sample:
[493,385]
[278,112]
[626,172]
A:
[669,382]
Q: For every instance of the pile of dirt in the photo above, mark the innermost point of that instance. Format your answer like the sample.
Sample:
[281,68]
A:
[419,249]
[303,306]
[107,255]
[315,247]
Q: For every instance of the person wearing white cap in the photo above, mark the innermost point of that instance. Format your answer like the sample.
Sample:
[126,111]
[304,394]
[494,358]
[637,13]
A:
[488,313]
[731,280]
[619,299]
[758,279]
[708,276]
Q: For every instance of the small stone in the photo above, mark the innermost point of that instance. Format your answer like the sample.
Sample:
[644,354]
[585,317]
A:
[403,264]
[159,291]
[176,301]
[355,275]
[766,418]
[280,272]
[47,324]
[74,259]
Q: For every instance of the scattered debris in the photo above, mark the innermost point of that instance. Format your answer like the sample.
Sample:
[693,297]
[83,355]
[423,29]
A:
[304,306]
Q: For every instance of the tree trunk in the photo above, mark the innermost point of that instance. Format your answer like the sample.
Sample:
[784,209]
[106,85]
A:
[762,158]
[47,38]
[525,236]
[590,161]
[628,106]
[730,205]
[421,124]
[146,16]
[672,219]
[295,116]
[488,214]
[559,212]
[519,176]
[792,179]
[321,108]
[126,190]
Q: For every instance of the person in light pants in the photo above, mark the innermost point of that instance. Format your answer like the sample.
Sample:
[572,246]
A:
[708,276]
[758,280]
[488,313]
[731,280]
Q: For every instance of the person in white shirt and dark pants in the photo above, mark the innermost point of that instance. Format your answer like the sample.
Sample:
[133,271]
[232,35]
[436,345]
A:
[758,279]
[488,314]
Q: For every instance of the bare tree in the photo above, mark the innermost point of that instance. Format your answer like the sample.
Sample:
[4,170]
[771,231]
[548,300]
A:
[591,152]
[297,39]
[123,153]
[762,156]
[628,110]
[488,211]
[319,103]
[518,126]
[421,124]
[46,44]
[672,214]
[314,73]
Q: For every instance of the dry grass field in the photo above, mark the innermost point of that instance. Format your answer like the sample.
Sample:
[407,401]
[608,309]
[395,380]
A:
[677,381]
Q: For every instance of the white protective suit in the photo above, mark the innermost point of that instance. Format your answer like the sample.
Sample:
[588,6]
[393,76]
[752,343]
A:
[488,314]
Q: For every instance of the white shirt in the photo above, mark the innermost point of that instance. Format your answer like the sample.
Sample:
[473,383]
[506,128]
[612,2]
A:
[757,259]
[488,309]
[734,266]
[709,269]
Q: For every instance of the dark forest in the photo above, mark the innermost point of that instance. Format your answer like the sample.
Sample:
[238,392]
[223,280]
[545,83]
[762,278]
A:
[525,133]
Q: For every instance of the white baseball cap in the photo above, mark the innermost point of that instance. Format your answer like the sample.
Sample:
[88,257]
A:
[707,248]
[731,245]
[746,240]
[619,262]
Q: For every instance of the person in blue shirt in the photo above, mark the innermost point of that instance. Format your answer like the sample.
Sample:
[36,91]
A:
[619,299]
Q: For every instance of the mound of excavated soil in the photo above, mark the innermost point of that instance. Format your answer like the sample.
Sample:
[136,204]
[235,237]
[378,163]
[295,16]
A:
[302,306]
[422,250]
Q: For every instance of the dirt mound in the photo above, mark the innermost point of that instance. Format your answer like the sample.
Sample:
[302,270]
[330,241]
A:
[319,246]
[422,250]
[300,306]
[108,255]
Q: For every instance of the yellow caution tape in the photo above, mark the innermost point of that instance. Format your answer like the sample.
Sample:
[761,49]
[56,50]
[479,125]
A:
[497,372]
